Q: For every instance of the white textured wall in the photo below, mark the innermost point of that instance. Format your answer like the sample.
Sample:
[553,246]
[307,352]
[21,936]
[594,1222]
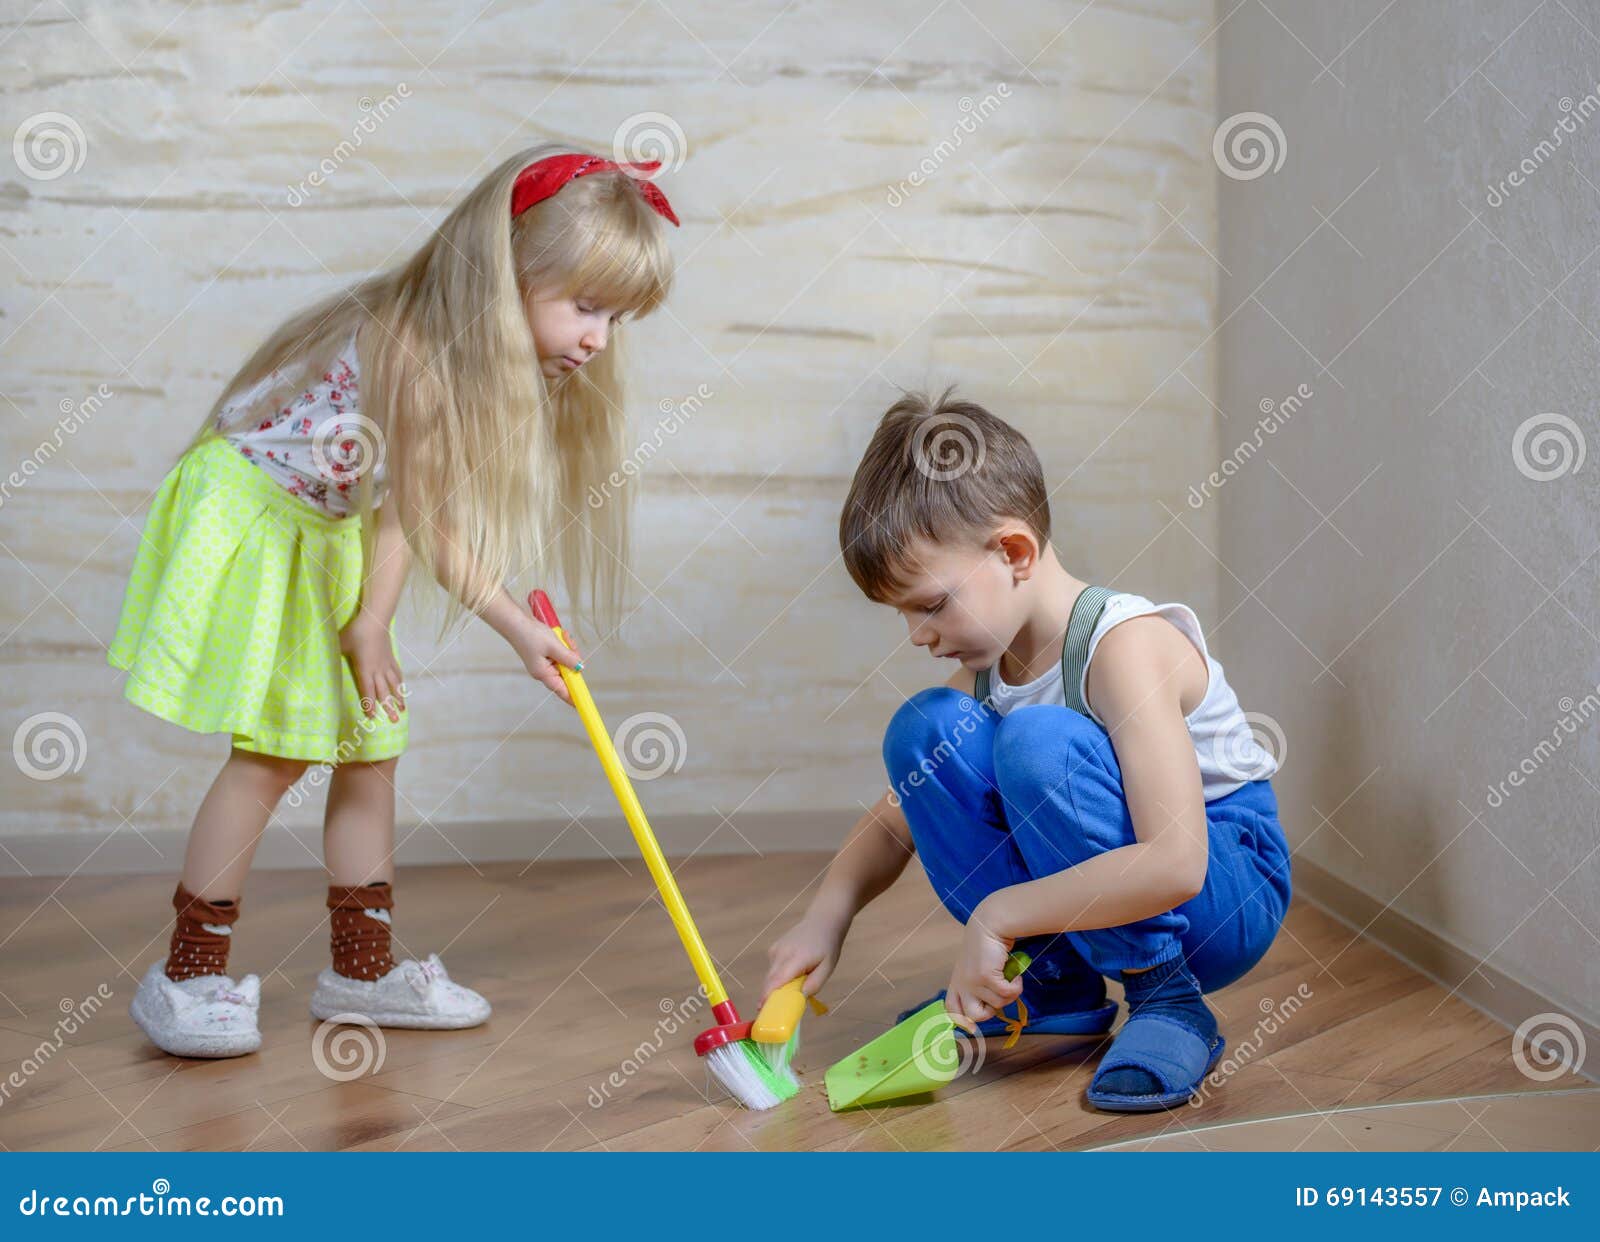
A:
[1054,262]
[1437,632]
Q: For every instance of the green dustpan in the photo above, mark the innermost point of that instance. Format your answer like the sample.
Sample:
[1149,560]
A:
[911,1058]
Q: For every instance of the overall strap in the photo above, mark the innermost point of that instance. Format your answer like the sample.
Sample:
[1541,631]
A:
[1075,649]
[1086,612]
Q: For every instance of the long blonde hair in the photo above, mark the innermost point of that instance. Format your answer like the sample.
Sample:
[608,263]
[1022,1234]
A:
[484,456]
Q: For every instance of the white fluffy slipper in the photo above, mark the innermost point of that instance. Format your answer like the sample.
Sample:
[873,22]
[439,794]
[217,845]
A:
[208,1016]
[413,994]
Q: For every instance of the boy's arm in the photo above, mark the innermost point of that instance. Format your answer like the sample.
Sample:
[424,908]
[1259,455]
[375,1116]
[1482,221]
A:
[1142,672]
[877,849]
[870,860]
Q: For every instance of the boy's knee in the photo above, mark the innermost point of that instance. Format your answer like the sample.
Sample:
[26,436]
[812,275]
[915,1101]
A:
[924,721]
[1040,746]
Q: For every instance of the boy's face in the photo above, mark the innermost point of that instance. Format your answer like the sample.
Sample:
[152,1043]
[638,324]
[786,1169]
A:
[962,601]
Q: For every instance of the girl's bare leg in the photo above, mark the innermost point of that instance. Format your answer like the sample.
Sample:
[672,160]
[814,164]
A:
[358,829]
[228,825]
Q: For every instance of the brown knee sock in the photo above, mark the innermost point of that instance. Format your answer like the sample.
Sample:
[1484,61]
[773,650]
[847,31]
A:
[200,937]
[360,937]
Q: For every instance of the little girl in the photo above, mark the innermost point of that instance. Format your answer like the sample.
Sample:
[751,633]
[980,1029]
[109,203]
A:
[455,410]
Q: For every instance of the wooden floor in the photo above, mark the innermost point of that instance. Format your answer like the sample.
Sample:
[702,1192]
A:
[587,980]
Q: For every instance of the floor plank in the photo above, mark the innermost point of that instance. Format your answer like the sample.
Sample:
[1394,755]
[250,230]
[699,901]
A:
[595,1008]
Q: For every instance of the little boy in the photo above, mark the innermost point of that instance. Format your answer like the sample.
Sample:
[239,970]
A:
[1084,787]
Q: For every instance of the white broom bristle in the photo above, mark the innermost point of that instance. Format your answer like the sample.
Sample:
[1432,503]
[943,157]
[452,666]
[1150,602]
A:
[781,1056]
[745,1075]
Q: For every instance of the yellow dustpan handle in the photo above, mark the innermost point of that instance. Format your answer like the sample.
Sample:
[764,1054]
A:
[623,788]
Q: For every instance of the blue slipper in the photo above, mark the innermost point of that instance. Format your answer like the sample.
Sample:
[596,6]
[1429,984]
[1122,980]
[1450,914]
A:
[1170,1052]
[1095,1021]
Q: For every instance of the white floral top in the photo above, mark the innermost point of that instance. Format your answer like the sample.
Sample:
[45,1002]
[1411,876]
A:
[318,446]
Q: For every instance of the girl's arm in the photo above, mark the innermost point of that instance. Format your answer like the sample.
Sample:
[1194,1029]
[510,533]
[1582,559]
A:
[1142,672]
[386,576]
[535,642]
[365,638]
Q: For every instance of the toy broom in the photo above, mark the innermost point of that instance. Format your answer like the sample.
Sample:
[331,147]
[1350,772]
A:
[726,1048]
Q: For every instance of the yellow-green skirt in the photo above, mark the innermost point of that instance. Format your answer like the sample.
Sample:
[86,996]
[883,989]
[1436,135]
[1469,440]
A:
[232,617]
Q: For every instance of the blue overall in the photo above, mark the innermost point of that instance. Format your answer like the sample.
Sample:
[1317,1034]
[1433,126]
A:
[994,801]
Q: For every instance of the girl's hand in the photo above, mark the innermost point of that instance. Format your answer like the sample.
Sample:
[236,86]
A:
[978,984]
[541,651]
[809,948]
[364,642]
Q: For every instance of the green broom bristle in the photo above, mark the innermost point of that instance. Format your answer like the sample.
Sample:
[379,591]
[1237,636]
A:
[745,1074]
[781,1056]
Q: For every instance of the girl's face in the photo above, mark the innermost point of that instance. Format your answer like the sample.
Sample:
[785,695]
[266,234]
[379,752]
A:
[569,330]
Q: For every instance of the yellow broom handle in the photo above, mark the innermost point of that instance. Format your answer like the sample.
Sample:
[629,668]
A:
[654,859]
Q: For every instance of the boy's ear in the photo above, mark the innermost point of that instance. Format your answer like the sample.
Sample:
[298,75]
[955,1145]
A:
[1021,551]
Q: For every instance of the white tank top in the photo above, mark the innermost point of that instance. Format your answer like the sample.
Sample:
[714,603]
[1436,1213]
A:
[1224,742]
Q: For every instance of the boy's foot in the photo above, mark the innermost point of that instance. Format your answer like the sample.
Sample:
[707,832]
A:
[1154,1063]
[1055,1007]
[207,1016]
[1167,1046]
[414,994]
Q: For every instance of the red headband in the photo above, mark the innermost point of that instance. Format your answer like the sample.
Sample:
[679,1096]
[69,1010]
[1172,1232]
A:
[540,180]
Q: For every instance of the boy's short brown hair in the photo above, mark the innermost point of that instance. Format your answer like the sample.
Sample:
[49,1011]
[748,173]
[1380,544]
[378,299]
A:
[937,470]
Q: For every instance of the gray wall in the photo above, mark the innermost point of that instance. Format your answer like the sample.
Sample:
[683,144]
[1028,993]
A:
[1416,597]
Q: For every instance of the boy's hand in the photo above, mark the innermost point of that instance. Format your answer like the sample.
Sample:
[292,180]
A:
[978,984]
[541,651]
[810,948]
[364,642]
